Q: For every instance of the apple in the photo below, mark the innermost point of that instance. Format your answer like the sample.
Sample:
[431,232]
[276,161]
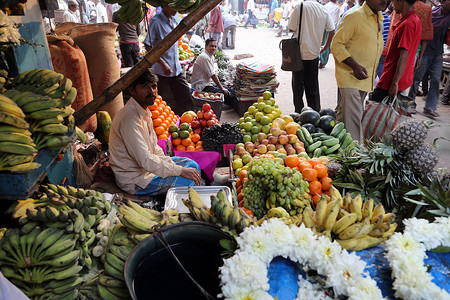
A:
[271,147]
[239,150]
[265,142]
[236,157]
[292,138]
[279,146]
[206,107]
[239,144]
[255,152]
[210,123]
[282,150]
[283,132]
[246,158]
[291,151]
[200,114]
[195,123]
[203,123]
[299,149]
[250,146]
[288,146]
[283,139]
[261,136]
[298,144]
[273,139]
[262,149]
[275,131]
[208,115]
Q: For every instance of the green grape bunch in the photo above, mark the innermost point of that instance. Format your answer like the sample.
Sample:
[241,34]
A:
[270,184]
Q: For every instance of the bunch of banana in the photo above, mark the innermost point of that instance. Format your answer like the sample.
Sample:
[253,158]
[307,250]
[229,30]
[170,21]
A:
[111,284]
[353,225]
[185,6]
[141,222]
[131,11]
[17,149]
[49,123]
[3,79]
[296,206]
[42,263]
[2,232]
[104,226]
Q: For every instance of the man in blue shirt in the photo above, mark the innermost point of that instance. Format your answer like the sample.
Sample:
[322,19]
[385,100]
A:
[173,87]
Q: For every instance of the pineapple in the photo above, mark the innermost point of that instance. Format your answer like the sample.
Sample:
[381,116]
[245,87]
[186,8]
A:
[333,168]
[409,134]
[422,158]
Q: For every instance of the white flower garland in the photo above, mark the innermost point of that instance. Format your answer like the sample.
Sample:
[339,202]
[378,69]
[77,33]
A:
[8,30]
[244,275]
[406,252]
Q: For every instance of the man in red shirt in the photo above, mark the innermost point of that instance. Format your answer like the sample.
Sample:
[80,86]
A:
[398,69]
[216,24]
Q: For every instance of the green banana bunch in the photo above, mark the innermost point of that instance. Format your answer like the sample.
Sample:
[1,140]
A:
[9,106]
[139,219]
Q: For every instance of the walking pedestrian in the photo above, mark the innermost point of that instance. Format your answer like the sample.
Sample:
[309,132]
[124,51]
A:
[128,41]
[315,19]
[229,24]
[216,23]
[333,9]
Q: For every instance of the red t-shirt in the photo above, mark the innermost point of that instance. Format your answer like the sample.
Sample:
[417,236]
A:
[406,35]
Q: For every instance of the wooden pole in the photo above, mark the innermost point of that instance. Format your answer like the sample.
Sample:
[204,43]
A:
[148,60]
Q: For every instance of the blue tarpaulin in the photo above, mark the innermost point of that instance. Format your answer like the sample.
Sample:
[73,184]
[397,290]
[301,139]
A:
[283,273]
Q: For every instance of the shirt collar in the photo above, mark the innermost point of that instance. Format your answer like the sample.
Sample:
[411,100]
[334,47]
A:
[138,108]
[413,12]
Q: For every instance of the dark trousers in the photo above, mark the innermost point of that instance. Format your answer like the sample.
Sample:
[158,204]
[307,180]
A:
[307,80]
[130,54]
[228,99]
[176,92]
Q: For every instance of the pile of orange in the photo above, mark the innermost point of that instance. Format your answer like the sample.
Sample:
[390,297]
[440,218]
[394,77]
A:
[184,138]
[239,187]
[314,172]
[163,117]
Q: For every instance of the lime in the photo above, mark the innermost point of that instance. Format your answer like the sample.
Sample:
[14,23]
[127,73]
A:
[254,122]
[265,129]
[254,130]
[255,104]
[271,117]
[248,119]
[267,95]
[277,112]
[261,106]
[251,109]
[241,126]
[175,134]
[246,114]
[260,99]
[254,138]
[237,163]
[275,105]
[184,126]
[241,120]
[184,134]
[248,126]
[259,126]
[173,128]
[258,116]
[268,109]
[247,138]
[265,120]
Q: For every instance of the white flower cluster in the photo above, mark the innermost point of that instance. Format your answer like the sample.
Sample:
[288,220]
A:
[244,275]
[406,252]
[8,30]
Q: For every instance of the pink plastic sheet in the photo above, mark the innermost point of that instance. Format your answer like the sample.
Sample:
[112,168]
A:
[207,160]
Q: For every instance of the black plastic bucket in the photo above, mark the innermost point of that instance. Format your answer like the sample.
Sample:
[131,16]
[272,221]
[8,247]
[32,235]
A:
[151,271]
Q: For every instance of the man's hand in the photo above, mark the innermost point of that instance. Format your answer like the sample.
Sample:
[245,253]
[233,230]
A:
[225,91]
[166,68]
[322,48]
[191,173]
[418,63]
[360,72]
[393,91]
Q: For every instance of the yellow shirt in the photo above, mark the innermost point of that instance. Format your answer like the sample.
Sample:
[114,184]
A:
[277,13]
[360,36]
[135,155]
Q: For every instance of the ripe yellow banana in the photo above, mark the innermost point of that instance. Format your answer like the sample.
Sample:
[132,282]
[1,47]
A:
[389,218]
[195,198]
[378,210]
[9,106]
[307,219]
[353,230]
[321,211]
[367,209]
[335,194]
[344,222]
[360,243]
[332,212]
[13,120]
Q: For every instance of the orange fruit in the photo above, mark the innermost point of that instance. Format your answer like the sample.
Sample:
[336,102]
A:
[190,148]
[302,159]
[242,175]
[315,188]
[155,114]
[199,143]
[198,148]
[157,122]
[315,199]
[303,165]
[176,141]
[153,106]
[241,203]
[322,170]
[326,183]
[195,137]
[315,161]
[291,161]
[240,197]
[186,142]
[239,189]
[163,137]
[159,130]
[239,182]
[309,174]
[180,148]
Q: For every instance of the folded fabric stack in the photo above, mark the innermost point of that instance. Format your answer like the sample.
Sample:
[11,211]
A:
[253,79]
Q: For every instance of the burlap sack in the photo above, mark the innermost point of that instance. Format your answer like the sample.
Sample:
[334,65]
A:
[97,43]
[69,60]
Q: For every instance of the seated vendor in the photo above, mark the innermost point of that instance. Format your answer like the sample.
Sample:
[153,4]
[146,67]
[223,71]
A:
[204,77]
[139,164]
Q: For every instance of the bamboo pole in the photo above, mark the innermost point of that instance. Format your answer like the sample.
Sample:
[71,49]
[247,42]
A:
[148,60]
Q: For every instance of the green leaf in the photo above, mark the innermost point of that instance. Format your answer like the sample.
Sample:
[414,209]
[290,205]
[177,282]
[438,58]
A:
[226,244]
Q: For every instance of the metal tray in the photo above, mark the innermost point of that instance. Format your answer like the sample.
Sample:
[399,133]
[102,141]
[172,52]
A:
[175,194]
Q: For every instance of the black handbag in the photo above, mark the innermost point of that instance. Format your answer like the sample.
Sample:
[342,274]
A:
[290,50]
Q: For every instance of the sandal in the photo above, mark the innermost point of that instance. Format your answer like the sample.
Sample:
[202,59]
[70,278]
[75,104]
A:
[430,113]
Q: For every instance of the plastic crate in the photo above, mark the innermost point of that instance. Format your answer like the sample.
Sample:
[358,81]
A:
[216,105]
[242,106]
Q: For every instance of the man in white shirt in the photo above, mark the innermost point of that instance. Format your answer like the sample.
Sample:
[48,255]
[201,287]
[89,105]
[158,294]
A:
[333,9]
[204,77]
[315,19]
[102,16]
[70,15]
[138,162]
[194,39]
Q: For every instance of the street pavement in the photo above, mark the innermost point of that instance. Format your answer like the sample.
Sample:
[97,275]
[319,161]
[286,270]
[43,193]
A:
[263,44]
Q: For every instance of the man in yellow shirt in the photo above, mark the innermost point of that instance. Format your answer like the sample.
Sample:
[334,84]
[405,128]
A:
[357,47]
